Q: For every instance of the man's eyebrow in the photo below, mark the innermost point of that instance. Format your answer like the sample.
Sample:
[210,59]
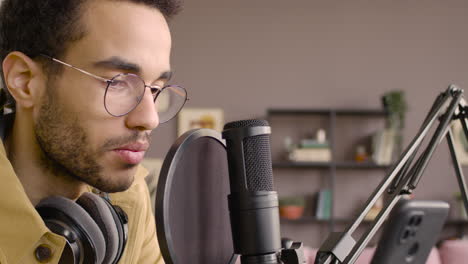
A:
[118,63]
[166,76]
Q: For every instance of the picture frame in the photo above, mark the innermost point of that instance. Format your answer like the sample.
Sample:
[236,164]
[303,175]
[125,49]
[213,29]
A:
[460,143]
[193,118]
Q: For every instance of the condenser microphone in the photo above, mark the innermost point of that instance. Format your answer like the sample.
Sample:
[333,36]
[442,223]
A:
[253,204]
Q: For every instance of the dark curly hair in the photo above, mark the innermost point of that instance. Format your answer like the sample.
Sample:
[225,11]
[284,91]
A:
[49,26]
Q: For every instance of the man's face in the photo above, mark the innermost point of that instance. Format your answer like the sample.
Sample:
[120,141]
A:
[76,135]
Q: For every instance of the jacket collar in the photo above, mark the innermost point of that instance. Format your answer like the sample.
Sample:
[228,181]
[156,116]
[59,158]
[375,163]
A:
[20,224]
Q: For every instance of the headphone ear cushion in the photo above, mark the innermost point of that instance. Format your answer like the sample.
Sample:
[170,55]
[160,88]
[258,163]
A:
[102,215]
[58,209]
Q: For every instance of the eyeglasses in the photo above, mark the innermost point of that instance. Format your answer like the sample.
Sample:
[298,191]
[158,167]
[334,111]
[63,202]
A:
[125,91]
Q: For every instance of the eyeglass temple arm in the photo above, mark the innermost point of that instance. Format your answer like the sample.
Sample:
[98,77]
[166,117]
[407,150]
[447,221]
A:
[78,69]
[174,90]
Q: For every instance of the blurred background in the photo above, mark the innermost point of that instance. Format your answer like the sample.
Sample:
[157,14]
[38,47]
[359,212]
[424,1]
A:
[241,59]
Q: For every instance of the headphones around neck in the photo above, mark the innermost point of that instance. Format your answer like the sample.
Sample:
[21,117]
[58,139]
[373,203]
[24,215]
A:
[96,231]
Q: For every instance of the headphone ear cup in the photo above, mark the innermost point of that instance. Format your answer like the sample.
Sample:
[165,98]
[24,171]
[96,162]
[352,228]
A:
[98,209]
[68,214]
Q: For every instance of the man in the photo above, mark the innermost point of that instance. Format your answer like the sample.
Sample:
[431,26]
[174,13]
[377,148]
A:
[82,78]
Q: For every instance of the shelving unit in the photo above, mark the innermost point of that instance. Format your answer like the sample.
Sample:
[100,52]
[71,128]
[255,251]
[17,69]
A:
[329,122]
[340,164]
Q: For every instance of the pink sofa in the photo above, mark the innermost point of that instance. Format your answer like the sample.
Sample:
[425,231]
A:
[450,252]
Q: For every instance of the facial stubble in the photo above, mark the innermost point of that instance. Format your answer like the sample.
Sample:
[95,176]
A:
[66,150]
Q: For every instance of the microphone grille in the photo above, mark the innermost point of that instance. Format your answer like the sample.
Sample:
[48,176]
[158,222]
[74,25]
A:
[246,123]
[258,167]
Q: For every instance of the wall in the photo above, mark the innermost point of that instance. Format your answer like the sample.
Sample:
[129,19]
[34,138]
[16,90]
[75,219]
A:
[247,56]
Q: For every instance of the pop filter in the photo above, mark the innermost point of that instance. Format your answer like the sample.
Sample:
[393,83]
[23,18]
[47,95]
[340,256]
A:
[192,215]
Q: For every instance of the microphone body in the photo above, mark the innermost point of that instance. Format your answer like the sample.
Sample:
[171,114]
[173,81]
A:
[253,204]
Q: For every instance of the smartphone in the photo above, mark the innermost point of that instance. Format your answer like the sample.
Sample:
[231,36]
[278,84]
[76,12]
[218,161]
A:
[411,230]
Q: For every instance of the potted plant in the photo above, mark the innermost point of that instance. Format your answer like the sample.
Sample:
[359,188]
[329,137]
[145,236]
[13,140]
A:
[291,207]
[395,104]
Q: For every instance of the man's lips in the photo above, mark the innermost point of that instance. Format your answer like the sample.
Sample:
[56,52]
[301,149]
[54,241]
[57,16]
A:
[135,147]
[132,153]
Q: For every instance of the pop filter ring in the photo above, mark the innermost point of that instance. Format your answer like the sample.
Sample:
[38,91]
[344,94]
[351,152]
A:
[165,184]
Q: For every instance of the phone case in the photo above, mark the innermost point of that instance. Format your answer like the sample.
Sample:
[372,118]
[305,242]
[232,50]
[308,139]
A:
[410,232]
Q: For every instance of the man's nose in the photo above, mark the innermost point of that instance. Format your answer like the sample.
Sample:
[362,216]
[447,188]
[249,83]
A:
[145,115]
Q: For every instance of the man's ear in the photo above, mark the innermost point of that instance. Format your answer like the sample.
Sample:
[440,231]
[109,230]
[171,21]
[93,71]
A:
[24,79]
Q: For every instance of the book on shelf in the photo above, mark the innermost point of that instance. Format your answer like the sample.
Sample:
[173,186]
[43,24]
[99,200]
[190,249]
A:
[383,146]
[312,143]
[323,205]
[310,155]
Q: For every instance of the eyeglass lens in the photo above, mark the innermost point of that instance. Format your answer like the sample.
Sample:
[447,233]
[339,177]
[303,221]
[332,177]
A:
[125,91]
[169,102]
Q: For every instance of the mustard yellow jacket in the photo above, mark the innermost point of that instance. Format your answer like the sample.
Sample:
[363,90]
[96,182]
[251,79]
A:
[22,230]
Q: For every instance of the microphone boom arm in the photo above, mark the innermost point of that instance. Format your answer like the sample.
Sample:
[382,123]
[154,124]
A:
[340,247]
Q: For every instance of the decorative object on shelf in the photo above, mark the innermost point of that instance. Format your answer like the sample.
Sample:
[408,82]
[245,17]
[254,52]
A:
[462,215]
[323,205]
[321,136]
[361,154]
[288,146]
[291,207]
[395,104]
[460,143]
[193,118]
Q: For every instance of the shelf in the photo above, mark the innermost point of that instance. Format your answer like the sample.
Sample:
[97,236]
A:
[289,164]
[311,219]
[305,219]
[341,112]
[360,165]
[325,165]
[360,123]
